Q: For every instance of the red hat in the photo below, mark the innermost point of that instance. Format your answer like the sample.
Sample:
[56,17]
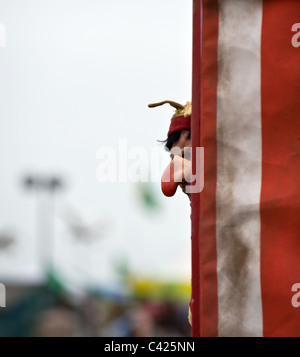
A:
[181,120]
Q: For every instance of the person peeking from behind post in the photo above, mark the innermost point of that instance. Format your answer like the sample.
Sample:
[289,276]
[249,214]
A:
[178,143]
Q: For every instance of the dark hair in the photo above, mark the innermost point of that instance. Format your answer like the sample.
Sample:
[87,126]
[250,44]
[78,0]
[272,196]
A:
[172,139]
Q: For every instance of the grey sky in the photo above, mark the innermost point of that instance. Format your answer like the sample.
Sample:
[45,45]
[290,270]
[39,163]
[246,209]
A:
[75,76]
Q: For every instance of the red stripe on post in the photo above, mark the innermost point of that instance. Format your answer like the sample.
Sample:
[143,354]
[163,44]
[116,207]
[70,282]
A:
[280,195]
[204,116]
[195,197]
[208,140]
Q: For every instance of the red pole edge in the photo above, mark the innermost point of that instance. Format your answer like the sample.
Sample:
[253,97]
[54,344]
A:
[196,142]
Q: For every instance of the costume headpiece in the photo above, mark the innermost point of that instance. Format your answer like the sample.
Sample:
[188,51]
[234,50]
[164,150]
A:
[181,119]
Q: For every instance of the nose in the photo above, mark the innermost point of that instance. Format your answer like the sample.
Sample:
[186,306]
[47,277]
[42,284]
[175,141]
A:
[174,174]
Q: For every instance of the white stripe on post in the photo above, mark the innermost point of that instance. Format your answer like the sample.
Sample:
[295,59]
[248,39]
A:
[239,168]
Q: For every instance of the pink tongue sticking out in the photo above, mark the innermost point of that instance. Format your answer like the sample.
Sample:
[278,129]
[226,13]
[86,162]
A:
[173,176]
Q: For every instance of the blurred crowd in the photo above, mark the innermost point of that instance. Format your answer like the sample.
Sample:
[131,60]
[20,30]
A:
[41,311]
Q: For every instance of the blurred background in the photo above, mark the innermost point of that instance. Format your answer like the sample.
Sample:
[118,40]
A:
[79,255]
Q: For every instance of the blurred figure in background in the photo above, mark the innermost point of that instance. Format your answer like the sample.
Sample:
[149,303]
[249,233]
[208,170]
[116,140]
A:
[57,322]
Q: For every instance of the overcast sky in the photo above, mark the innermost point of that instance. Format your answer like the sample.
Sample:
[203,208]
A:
[76,76]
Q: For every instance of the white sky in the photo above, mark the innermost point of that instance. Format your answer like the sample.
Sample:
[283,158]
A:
[77,75]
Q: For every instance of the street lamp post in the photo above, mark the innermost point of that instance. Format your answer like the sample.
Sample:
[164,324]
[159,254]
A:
[45,188]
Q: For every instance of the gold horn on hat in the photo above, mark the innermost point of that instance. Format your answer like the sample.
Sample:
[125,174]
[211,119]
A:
[171,102]
[181,110]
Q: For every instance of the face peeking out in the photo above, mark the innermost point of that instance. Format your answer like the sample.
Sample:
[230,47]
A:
[178,143]
[179,171]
